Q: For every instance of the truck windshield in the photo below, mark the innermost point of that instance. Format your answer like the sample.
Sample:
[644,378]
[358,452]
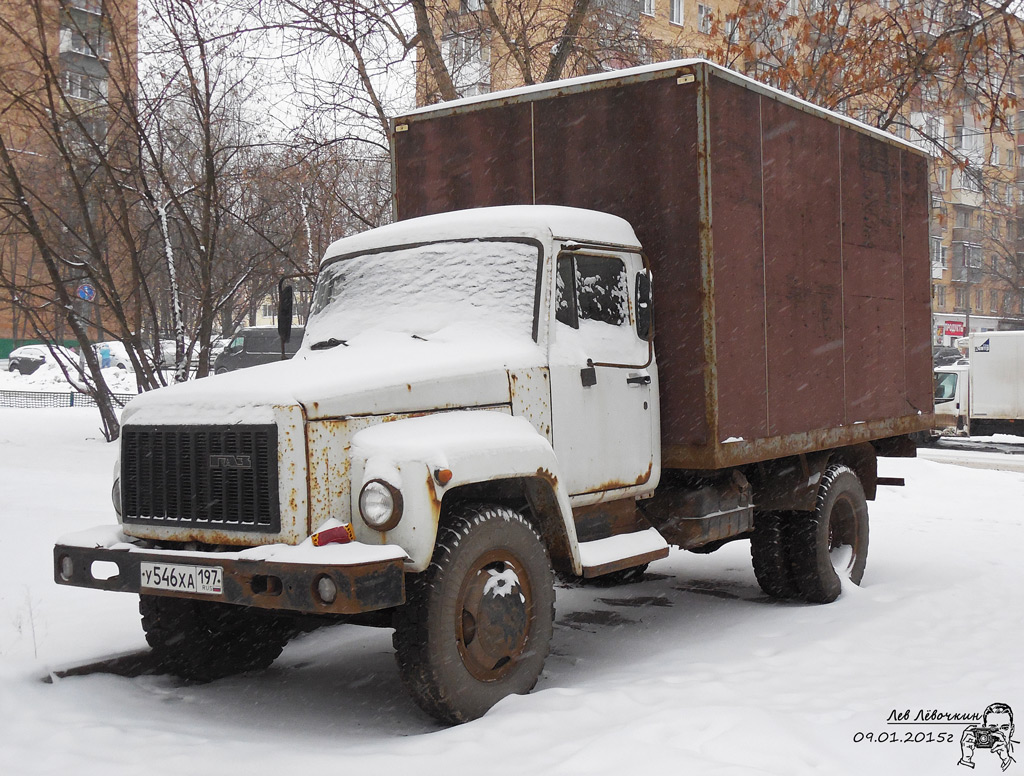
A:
[488,285]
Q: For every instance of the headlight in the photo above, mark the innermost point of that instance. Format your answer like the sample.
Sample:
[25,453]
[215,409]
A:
[380,504]
[115,496]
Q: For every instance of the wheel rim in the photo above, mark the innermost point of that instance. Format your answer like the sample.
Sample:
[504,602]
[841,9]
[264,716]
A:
[493,614]
[843,540]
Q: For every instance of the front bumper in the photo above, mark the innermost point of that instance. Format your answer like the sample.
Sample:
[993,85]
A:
[281,577]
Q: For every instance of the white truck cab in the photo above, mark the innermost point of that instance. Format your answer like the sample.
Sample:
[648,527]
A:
[477,364]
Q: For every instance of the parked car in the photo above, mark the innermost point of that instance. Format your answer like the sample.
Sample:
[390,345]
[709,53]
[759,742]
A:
[218,346]
[168,353]
[28,358]
[944,356]
[256,345]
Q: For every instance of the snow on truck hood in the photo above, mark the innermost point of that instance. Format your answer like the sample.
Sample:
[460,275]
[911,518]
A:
[376,373]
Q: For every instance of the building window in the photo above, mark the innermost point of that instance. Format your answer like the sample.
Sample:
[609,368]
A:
[704,18]
[85,87]
[963,219]
[960,303]
[89,42]
[939,253]
[939,292]
[970,142]
[268,311]
[648,8]
[675,11]
[91,6]
[469,62]
[471,6]
[732,26]
[943,176]
[972,256]
[968,179]
[979,300]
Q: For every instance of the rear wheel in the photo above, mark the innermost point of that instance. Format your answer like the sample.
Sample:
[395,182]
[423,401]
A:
[832,540]
[477,624]
[769,553]
[206,640]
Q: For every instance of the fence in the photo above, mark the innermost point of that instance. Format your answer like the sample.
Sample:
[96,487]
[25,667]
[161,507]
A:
[35,399]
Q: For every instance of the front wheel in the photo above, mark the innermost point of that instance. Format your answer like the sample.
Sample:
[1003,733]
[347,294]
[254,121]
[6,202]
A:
[207,640]
[832,540]
[477,624]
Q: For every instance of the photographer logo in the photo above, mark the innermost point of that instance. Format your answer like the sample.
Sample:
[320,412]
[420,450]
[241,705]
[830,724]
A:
[994,735]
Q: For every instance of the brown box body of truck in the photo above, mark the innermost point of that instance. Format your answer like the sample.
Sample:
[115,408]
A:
[789,246]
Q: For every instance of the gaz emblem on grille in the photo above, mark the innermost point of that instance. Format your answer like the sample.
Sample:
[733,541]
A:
[230,461]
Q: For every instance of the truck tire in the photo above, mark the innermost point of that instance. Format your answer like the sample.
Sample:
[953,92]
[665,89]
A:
[831,540]
[476,626]
[206,640]
[769,554]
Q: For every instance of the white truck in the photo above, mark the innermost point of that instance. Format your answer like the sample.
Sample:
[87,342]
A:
[480,402]
[986,395]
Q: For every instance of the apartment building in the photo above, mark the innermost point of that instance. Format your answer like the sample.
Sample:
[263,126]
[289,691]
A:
[65,68]
[977,223]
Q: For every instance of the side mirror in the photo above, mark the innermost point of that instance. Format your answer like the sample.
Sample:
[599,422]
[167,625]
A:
[644,310]
[285,301]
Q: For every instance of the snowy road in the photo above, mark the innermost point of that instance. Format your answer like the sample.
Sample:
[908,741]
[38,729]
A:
[1000,453]
[690,671]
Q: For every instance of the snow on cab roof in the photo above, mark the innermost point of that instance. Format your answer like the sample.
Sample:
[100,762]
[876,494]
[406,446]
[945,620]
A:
[570,85]
[537,221]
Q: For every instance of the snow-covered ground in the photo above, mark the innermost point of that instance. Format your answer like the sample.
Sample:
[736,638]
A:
[690,671]
[49,377]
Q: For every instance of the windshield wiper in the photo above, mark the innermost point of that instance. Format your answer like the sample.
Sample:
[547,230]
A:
[327,344]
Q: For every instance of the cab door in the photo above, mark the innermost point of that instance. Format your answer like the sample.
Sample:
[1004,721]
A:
[604,386]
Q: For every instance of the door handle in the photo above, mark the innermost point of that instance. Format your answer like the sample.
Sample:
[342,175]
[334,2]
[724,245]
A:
[638,380]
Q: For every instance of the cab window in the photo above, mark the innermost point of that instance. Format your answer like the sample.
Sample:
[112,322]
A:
[591,288]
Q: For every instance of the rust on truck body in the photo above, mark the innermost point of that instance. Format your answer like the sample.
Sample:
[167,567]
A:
[712,174]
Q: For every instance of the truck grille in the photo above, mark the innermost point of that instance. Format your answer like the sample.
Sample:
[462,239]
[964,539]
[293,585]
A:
[222,477]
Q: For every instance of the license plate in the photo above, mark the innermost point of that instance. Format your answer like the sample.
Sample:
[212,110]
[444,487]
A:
[208,580]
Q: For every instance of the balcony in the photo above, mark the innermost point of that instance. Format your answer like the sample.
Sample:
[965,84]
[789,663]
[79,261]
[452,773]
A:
[74,42]
[965,274]
[89,6]
[626,9]
[966,235]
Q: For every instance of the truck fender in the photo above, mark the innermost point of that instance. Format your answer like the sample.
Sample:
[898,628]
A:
[477,454]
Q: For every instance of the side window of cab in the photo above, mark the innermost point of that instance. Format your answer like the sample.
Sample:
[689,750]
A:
[592,288]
